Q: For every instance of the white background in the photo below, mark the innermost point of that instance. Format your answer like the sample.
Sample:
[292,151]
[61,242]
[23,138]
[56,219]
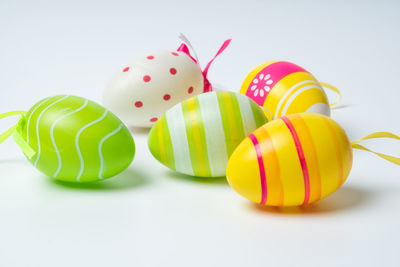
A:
[150,216]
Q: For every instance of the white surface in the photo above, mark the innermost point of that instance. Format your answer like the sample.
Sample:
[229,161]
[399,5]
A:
[150,216]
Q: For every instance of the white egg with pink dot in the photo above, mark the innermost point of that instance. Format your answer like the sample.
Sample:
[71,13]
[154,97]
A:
[143,90]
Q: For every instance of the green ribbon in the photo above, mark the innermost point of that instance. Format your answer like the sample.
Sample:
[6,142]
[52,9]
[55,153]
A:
[28,151]
[10,131]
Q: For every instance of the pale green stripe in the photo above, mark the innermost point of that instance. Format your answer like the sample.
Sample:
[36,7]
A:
[259,116]
[238,119]
[214,131]
[153,141]
[168,145]
[203,140]
[249,124]
[179,141]
[225,123]
[190,137]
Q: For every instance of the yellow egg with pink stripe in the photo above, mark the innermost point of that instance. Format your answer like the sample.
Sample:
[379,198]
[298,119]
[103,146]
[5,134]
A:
[285,88]
[294,160]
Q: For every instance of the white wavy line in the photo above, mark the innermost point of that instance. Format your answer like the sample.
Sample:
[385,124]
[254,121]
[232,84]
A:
[287,93]
[100,149]
[77,143]
[30,116]
[52,135]
[285,108]
[37,126]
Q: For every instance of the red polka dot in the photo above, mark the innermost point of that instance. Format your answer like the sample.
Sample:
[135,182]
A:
[138,104]
[167,97]
[175,54]
[150,57]
[126,69]
[146,78]
[172,71]
[190,90]
[153,119]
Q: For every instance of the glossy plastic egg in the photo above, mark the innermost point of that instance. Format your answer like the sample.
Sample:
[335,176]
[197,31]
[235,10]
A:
[294,160]
[151,84]
[73,139]
[284,88]
[197,136]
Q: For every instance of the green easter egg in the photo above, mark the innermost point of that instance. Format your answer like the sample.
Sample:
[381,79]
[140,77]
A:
[74,139]
[197,136]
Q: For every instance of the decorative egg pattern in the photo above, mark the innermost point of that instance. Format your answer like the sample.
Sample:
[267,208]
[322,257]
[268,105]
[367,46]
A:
[294,160]
[75,140]
[150,85]
[197,136]
[284,88]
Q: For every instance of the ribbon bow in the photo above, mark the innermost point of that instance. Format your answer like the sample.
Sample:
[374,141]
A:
[184,48]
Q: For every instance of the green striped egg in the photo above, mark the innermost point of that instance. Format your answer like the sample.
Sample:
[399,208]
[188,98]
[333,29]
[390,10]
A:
[197,136]
[74,139]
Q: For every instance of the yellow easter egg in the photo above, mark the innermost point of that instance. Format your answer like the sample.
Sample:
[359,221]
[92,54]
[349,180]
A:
[285,88]
[294,160]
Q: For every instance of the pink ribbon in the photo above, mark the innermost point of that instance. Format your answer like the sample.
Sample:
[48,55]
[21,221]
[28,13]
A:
[207,85]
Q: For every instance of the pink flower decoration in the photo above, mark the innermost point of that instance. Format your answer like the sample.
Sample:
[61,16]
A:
[261,84]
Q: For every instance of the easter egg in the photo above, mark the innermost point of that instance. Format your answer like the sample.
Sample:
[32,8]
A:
[146,88]
[197,136]
[284,88]
[75,140]
[294,160]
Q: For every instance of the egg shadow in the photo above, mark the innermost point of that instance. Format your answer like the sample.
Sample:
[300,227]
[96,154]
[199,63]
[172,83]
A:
[340,107]
[193,179]
[139,130]
[345,198]
[12,160]
[128,179]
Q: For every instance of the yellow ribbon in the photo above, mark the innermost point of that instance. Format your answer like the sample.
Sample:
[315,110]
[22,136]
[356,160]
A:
[333,88]
[10,131]
[392,159]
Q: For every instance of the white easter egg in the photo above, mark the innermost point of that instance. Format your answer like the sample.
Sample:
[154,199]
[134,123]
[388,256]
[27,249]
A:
[145,89]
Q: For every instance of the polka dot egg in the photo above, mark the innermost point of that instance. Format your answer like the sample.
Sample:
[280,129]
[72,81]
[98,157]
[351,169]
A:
[145,89]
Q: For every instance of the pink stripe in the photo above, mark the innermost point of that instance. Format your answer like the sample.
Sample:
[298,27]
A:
[207,85]
[302,158]
[277,71]
[253,138]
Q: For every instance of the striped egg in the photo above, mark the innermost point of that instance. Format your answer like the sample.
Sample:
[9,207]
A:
[284,88]
[197,136]
[294,160]
[74,139]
